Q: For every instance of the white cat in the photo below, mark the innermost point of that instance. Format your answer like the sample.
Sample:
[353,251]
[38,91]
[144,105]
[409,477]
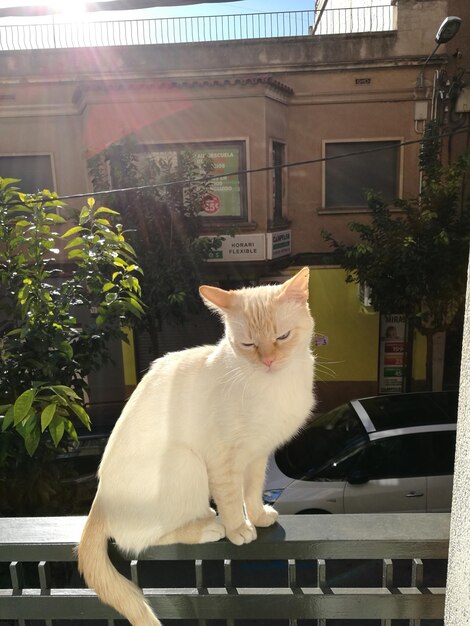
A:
[201,424]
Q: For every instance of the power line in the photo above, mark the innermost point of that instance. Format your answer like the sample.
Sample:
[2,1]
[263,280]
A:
[208,178]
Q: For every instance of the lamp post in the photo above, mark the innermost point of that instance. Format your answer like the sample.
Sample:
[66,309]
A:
[446,31]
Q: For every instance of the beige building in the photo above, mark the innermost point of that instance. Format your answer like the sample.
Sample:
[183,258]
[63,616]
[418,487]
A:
[249,103]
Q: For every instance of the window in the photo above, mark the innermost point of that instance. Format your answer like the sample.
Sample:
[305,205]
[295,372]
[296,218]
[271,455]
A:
[412,409]
[34,171]
[347,179]
[442,453]
[228,199]
[395,457]
[278,159]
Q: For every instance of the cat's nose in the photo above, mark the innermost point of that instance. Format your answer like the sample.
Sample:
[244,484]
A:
[268,360]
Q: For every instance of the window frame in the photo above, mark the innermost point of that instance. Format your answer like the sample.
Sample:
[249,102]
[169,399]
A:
[359,209]
[278,179]
[13,155]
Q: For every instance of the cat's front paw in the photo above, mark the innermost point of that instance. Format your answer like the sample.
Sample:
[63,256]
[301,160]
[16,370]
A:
[245,533]
[267,517]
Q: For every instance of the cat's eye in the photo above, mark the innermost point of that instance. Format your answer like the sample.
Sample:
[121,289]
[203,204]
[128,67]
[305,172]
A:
[284,336]
[248,345]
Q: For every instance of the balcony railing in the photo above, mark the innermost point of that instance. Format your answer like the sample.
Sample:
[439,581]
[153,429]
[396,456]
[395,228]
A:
[176,30]
[343,567]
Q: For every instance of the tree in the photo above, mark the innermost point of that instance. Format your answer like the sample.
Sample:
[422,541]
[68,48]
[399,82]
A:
[164,224]
[414,255]
[56,321]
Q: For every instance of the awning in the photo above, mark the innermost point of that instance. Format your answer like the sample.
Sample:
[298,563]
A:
[9,8]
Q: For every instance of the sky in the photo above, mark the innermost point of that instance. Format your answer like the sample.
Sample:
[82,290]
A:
[228,8]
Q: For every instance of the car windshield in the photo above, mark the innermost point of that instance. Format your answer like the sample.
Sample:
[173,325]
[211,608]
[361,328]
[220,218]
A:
[323,438]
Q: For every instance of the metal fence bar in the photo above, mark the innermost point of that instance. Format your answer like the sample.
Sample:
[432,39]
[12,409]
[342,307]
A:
[414,537]
[59,34]
[251,603]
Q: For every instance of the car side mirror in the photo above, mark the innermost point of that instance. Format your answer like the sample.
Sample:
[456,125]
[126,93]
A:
[358,477]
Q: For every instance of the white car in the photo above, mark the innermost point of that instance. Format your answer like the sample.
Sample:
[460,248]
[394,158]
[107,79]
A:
[391,453]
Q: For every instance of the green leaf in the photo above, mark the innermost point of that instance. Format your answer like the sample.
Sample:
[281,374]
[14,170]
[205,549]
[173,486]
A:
[119,262]
[8,419]
[70,429]
[72,231]
[104,209]
[107,287]
[91,202]
[58,219]
[77,253]
[135,305]
[22,405]
[66,349]
[77,241]
[81,414]
[63,390]
[103,222]
[15,331]
[84,215]
[31,441]
[57,429]
[47,415]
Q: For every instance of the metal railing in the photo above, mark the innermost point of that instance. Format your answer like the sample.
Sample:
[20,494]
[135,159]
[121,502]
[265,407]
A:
[176,30]
[305,567]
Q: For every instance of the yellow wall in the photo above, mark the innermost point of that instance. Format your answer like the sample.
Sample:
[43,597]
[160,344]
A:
[128,359]
[352,334]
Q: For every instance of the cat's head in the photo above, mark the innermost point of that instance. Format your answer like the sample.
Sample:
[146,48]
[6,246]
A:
[265,325]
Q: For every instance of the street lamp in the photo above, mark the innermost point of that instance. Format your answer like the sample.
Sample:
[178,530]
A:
[446,31]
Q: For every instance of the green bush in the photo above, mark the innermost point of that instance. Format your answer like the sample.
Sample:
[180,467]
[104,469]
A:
[62,298]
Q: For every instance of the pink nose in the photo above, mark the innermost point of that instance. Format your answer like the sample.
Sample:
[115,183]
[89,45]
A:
[268,361]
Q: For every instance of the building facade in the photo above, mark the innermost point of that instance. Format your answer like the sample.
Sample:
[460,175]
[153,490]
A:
[307,122]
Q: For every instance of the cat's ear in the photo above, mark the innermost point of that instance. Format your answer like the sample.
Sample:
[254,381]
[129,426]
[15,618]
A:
[217,298]
[296,288]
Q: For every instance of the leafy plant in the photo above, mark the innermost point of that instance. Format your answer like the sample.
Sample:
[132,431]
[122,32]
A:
[58,311]
[165,226]
[414,255]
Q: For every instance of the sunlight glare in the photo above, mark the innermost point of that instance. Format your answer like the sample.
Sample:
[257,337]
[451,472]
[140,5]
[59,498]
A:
[68,7]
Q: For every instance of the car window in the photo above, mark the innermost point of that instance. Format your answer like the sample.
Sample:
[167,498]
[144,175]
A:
[413,409]
[441,462]
[395,457]
[323,439]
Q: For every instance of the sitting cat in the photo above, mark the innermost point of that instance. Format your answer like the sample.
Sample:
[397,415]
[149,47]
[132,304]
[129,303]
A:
[201,424]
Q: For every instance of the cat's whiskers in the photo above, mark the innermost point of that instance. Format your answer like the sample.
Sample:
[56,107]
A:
[231,378]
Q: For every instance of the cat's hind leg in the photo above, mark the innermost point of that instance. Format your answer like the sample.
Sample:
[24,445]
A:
[204,530]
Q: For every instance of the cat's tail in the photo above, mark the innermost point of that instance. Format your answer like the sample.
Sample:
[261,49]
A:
[100,574]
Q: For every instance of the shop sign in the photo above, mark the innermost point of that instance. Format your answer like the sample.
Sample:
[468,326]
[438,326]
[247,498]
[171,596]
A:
[227,196]
[241,248]
[278,244]
[392,353]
